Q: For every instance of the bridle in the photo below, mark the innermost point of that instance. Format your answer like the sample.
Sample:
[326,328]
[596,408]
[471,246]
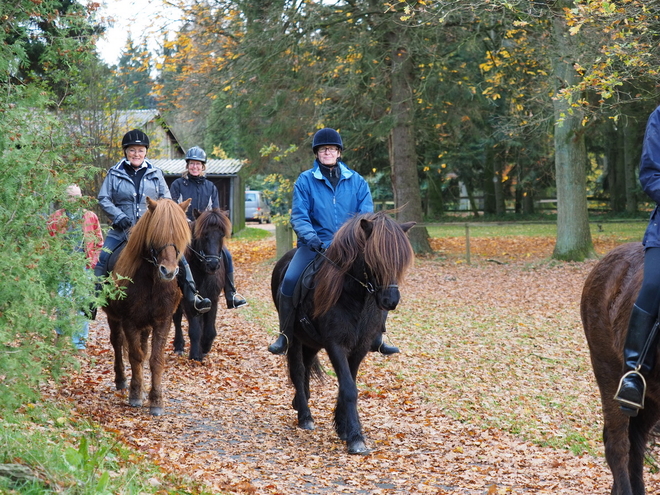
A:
[153,253]
[206,258]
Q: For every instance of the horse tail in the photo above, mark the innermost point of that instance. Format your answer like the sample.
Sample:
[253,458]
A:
[316,369]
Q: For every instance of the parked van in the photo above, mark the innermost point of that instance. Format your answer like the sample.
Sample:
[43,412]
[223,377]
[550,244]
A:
[256,207]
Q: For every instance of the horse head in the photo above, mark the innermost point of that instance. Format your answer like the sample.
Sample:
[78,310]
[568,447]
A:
[387,258]
[209,231]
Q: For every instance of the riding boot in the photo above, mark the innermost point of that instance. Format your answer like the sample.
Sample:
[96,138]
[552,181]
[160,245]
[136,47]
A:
[379,345]
[200,304]
[639,358]
[234,299]
[286,312]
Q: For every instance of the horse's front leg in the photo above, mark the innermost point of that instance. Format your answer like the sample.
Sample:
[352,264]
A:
[117,341]
[298,374]
[179,343]
[136,355]
[194,337]
[208,331]
[347,420]
[157,365]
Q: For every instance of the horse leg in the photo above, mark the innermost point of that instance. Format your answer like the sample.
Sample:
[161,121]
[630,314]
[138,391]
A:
[208,330]
[179,343]
[136,357]
[347,420]
[298,373]
[638,432]
[117,341]
[157,365]
[617,449]
[194,337]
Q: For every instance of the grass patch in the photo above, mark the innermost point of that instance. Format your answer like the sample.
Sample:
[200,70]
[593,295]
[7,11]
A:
[252,234]
[48,449]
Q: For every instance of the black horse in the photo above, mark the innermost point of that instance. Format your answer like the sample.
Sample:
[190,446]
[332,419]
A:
[343,312]
[204,256]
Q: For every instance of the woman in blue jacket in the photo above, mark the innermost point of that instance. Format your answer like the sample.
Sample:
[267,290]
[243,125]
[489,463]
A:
[642,330]
[123,198]
[324,197]
[204,195]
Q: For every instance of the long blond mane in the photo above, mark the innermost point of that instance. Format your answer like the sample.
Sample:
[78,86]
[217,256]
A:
[164,223]
[376,236]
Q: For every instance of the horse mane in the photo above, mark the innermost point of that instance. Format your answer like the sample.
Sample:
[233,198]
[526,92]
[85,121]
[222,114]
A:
[383,243]
[163,224]
[211,219]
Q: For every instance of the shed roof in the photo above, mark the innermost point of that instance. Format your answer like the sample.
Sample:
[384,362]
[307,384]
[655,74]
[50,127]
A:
[229,166]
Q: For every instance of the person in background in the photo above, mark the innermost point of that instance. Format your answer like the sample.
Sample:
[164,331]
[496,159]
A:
[324,197]
[123,198]
[84,230]
[204,194]
[642,337]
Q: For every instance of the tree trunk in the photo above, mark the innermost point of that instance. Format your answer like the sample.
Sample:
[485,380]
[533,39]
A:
[573,235]
[402,154]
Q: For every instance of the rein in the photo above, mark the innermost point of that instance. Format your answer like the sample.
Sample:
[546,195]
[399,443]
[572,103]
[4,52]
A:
[371,289]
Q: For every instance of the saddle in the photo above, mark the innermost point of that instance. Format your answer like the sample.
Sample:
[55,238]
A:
[303,288]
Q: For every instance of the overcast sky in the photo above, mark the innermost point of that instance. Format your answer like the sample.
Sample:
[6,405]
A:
[139,18]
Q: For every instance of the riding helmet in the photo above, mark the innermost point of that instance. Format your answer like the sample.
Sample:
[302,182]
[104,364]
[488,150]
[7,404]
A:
[196,153]
[327,137]
[135,138]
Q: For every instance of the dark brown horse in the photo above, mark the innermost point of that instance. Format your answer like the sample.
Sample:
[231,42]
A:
[355,285]
[204,256]
[608,296]
[149,262]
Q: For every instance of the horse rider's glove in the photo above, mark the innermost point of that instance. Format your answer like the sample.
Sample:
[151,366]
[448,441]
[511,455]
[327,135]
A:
[123,224]
[315,244]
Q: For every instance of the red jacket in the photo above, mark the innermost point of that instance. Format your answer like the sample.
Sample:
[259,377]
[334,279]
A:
[92,234]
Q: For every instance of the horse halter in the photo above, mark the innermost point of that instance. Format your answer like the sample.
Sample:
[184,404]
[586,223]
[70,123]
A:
[153,252]
[370,287]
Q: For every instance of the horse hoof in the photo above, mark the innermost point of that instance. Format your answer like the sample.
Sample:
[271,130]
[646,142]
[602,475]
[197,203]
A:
[156,411]
[306,425]
[358,448]
[135,402]
[121,385]
[178,352]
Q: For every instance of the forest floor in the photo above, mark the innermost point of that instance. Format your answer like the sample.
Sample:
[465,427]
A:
[479,401]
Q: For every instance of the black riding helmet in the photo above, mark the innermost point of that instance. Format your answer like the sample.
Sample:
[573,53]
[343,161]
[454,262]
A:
[327,137]
[196,153]
[135,138]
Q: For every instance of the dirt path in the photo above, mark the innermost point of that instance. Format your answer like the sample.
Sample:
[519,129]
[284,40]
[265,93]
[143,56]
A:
[229,421]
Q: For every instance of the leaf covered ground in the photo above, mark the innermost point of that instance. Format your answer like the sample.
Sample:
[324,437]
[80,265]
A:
[492,394]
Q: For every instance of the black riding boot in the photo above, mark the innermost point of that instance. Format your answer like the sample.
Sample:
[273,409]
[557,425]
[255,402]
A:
[379,345]
[639,359]
[200,304]
[286,312]
[234,299]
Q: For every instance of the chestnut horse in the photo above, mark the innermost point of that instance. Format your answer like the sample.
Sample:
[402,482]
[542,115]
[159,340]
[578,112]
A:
[608,296]
[148,265]
[204,256]
[355,285]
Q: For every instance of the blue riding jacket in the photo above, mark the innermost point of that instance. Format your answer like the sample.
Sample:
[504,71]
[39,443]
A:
[649,176]
[319,210]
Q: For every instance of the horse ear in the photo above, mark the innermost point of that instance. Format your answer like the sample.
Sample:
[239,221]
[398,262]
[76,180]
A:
[184,206]
[196,213]
[367,226]
[407,226]
[151,204]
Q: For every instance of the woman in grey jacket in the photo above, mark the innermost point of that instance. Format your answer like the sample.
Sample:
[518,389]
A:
[123,198]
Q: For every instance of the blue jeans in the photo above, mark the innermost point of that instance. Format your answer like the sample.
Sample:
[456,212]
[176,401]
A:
[303,257]
[111,243]
[65,289]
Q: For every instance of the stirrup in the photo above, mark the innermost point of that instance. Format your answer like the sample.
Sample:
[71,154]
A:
[198,299]
[236,301]
[625,402]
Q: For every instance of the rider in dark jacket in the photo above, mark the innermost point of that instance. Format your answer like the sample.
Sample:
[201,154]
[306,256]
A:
[642,337]
[204,196]
[123,198]
[324,197]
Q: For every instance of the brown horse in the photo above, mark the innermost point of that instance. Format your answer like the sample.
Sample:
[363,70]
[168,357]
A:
[149,263]
[608,296]
[355,285]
